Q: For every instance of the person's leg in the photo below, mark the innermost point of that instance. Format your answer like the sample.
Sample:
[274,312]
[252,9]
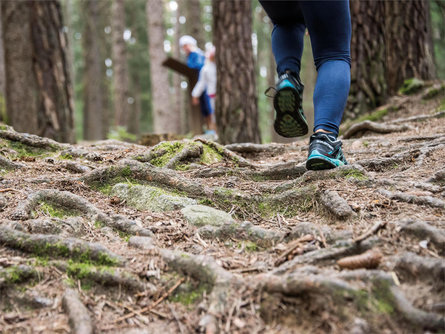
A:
[287,34]
[329,25]
[287,47]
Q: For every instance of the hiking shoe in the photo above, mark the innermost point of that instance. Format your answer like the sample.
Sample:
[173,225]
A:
[324,152]
[287,101]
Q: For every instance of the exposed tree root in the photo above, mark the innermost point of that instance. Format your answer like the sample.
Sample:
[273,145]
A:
[76,168]
[336,204]
[280,171]
[71,202]
[410,184]
[79,317]
[32,140]
[323,255]
[69,226]
[438,177]
[349,172]
[53,245]
[8,164]
[250,148]
[356,129]
[239,160]
[425,152]
[241,231]
[415,316]
[17,274]
[422,230]
[147,173]
[204,269]
[101,275]
[413,267]
[190,152]
[419,200]
[418,118]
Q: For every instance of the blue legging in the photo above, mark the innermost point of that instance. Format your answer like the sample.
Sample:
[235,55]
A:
[329,25]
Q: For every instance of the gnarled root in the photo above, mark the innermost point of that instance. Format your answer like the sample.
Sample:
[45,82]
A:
[32,140]
[373,127]
[17,274]
[54,245]
[8,164]
[419,200]
[79,317]
[336,204]
[422,230]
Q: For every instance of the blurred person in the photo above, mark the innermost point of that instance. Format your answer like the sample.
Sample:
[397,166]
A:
[207,83]
[329,26]
[196,60]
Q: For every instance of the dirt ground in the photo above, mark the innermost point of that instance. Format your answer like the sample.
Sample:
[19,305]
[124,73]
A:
[358,249]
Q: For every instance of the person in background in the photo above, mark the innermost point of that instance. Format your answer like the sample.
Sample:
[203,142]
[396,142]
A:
[329,25]
[196,60]
[207,83]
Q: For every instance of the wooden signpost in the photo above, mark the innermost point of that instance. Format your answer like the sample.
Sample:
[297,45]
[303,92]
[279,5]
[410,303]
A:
[195,119]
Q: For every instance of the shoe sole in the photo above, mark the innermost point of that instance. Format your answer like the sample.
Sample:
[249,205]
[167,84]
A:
[288,121]
[320,162]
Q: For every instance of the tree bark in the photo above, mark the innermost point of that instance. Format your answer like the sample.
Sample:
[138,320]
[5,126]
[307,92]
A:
[3,117]
[93,91]
[391,42]
[193,25]
[164,119]
[236,102]
[38,85]
[120,67]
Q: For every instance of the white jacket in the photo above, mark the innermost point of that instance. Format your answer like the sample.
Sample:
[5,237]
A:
[207,80]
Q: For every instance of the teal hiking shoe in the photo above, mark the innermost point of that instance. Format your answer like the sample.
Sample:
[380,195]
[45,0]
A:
[287,101]
[324,152]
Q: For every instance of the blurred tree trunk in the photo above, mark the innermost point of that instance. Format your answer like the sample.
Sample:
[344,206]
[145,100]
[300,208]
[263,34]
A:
[135,110]
[38,86]
[94,111]
[236,102]
[2,75]
[179,96]
[391,42]
[120,67]
[193,24]
[165,119]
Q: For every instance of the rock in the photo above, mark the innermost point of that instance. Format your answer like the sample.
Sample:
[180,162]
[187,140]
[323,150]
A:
[141,242]
[150,198]
[201,215]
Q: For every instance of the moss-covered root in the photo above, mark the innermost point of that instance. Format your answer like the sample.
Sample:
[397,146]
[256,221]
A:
[65,203]
[64,200]
[57,246]
[16,274]
[146,173]
[356,129]
[101,275]
[8,164]
[239,160]
[78,315]
[205,270]
[32,140]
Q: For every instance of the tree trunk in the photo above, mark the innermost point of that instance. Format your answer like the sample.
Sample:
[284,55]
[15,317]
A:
[164,119]
[120,68]
[236,102]
[3,117]
[193,25]
[38,86]
[391,42]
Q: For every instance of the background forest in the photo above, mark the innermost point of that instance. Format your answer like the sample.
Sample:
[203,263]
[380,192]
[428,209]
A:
[114,50]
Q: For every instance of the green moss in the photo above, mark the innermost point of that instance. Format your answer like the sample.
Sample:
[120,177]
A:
[105,187]
[411,86]
[442,105]
[190,294]
[434,92]
[354,174]
[251,246]
[26,151]
[56,211]
[206,201]
[66,156]
[15,274]
[210,155]
[169,150]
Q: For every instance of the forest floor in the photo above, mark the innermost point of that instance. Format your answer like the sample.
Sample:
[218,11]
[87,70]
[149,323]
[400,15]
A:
[190,236]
